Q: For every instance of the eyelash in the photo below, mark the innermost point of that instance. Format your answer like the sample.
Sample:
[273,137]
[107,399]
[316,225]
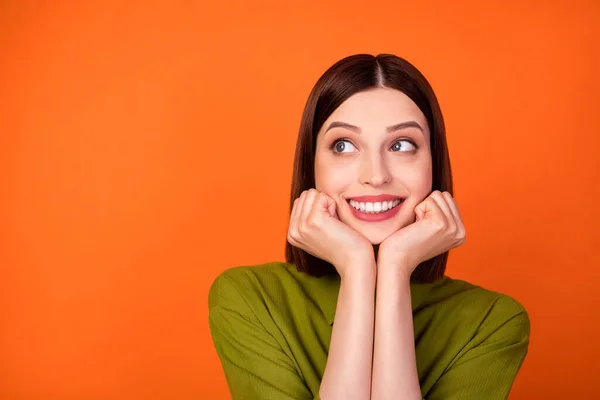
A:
[335,142]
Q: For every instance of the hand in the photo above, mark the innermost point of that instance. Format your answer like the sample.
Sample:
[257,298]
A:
[437,229]
[315,228]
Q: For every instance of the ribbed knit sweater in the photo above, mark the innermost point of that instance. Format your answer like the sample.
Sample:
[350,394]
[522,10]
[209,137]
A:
[271,326]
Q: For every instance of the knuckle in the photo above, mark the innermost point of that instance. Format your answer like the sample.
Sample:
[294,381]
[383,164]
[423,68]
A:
[459,235]
[302,229]
[312,221]
[452,230]
[291,238]
[439,225]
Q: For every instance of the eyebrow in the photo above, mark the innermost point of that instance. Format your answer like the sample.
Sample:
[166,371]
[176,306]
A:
[389,129]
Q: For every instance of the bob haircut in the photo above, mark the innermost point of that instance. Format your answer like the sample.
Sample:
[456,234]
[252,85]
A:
[346,77]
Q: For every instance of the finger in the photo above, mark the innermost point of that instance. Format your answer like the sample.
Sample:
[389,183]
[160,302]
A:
[422,208]
[327,203]
[452,203]
[454,208]
[323,206]
[297,212]
[440,199]
[307,206]
[430,207]
[294,213]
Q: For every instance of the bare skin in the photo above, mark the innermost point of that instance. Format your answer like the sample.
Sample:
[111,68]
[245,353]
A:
[372,354]
[315,229]
[374,358]
[438,229]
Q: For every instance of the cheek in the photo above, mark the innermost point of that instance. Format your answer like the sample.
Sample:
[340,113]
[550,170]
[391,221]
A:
[418,180]
[330,177]
[424,182]
[330,181]
[334,180]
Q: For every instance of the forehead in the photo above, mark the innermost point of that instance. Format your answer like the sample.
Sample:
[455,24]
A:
[377,109]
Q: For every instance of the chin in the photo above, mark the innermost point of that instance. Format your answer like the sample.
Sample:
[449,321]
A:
[377,232]
[376,237]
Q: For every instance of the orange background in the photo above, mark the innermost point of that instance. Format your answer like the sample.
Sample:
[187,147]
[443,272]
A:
[145,149]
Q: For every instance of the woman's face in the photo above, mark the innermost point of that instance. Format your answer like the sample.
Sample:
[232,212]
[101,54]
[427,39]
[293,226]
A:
[373,158]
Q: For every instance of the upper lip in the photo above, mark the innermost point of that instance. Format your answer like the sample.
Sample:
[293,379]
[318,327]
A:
[375,199]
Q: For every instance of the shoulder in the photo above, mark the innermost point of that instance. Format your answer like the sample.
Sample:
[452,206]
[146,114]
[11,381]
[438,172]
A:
[252,283]
[474,298]
[486,311]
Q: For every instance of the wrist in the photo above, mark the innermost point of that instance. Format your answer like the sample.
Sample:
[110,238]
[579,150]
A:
[359,268]
[399,267]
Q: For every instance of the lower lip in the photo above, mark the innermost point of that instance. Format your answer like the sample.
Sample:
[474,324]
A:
[382,216]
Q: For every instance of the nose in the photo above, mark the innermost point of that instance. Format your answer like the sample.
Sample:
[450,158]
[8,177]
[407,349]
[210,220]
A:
[374,171]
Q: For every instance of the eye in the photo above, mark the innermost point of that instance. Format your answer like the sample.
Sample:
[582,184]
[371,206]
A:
[403,145]
[343,146]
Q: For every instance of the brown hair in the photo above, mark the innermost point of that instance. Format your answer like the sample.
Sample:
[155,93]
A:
[346,77]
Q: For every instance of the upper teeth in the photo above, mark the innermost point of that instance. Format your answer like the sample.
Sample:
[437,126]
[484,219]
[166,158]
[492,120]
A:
[374,207]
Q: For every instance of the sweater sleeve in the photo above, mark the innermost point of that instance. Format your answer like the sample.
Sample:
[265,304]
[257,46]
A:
[487,369]
[254,364]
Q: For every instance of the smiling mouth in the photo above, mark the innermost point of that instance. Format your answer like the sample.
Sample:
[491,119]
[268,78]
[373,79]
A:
[378,207]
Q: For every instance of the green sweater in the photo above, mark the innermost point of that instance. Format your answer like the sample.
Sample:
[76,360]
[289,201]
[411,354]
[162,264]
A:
[271,326]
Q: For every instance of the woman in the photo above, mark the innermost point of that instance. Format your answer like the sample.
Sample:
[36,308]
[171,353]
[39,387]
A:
[362,309]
